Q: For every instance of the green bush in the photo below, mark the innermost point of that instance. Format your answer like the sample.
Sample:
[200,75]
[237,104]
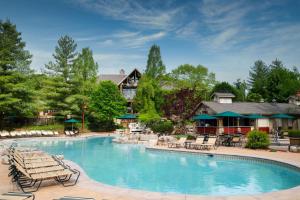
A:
[163,127]
[96,124]
[294,133]
[257,140]
[190,137]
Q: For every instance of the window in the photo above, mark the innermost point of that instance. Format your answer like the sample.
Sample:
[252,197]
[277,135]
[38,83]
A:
[129,93]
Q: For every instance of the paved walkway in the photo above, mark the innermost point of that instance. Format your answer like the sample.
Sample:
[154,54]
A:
[88,188]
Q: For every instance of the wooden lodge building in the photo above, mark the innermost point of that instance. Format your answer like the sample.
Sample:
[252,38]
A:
[262,116]
[127,83]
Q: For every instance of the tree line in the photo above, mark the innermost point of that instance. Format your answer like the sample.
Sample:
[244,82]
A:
[68,85]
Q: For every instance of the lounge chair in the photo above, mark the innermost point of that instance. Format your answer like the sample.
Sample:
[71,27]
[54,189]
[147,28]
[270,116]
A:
[197,144]
[55,133]
[74,198]
[4,134]
[27,173]
[16,196]
[179,143]
[13,134]
[211,143]
[236,140]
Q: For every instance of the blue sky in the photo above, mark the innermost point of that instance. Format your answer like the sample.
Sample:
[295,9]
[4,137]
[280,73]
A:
[225,36]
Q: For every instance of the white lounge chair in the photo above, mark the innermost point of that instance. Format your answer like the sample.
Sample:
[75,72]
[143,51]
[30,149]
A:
[55,133]
[67,133]
[50,133]
[211,143]
[13,134]
[197,144]
[179,143]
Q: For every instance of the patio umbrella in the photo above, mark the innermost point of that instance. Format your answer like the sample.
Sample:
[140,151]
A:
[228,114]
[203,117]
[127,116]
[72,121]
[282,116]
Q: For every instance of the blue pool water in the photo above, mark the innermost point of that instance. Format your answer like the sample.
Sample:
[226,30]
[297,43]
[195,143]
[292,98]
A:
[132,166]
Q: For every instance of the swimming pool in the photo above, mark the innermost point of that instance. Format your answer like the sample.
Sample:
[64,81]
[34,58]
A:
[132,166]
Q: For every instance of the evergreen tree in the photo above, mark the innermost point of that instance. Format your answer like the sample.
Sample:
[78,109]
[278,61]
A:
[16,94]
[155,67]
[85,75]
[64,57]
[60,84]
[258,76]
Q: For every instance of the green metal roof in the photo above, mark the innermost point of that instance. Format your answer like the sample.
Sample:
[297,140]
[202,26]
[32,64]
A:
[256,116]
[282,116]
[72,121]
[203,117]
[228,114]
[127,116]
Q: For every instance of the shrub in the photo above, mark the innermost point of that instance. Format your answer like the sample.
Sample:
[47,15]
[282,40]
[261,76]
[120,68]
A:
[257,140]
[164,127]
[190,137]
[294,133]
[96,124]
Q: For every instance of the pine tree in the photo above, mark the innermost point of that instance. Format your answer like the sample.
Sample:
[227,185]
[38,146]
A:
[16,94]
[155,67]
[60,83]
[84,79]
[258,78]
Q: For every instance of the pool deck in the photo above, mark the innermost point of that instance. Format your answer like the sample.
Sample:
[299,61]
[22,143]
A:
[89,188]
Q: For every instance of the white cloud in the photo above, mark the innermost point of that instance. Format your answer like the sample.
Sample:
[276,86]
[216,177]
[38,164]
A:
[127,39]
[134,12]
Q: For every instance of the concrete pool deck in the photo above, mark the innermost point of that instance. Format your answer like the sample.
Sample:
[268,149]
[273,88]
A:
[89,188]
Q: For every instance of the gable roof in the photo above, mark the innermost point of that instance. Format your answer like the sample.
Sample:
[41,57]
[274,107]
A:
[116,78]
[248,108]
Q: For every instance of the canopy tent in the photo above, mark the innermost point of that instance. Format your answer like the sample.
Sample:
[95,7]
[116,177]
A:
[229,114]
[282,116]
[127,116]
[72,121]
